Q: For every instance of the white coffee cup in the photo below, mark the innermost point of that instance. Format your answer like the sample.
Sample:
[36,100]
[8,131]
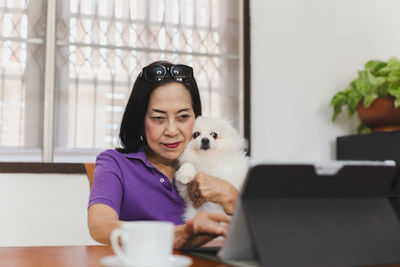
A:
[144,242]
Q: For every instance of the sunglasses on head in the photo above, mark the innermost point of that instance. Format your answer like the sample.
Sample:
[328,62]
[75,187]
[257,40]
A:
[157,73]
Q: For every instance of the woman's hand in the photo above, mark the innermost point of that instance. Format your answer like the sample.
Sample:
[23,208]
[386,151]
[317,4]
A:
[205,188]
[201,229]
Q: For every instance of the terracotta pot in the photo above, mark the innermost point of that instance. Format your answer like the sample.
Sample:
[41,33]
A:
[380,115]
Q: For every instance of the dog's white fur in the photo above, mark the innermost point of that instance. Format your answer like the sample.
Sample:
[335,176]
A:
[225,158]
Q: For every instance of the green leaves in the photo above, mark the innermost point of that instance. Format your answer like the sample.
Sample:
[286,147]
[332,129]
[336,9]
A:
[362,128]
[337,102]
[367,86]
[378,79]
[397,102]
[374,66]
[368,99]
[394,91]
[392,65]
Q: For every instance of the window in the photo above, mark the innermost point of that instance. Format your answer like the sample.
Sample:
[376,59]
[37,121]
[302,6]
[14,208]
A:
[100,48]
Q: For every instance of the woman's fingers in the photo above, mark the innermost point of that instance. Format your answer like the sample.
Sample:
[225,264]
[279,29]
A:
[211,227]
[222,220]
[201,229]
[219,217]
[189,227]
[211,223]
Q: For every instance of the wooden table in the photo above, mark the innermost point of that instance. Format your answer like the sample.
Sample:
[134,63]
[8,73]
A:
[73,256]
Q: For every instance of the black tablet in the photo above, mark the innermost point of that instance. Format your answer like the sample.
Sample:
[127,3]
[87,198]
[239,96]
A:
[322,214]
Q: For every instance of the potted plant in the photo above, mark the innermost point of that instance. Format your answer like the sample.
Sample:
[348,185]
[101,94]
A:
[375,95]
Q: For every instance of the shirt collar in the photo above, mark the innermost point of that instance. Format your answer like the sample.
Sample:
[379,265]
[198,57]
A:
[140,154]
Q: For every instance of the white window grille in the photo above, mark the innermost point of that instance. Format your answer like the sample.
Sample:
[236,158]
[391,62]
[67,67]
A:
[21,78]
[101,46]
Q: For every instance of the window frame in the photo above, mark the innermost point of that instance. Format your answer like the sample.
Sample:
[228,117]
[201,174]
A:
[48,152]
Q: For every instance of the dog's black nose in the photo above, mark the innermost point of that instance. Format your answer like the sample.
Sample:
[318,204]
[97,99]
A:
[205,141]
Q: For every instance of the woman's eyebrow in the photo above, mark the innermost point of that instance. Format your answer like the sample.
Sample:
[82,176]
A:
[158,110]
[184,109]
[164,112]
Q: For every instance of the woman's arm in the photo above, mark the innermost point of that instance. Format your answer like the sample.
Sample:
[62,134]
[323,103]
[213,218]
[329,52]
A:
[102,219]
[205,187]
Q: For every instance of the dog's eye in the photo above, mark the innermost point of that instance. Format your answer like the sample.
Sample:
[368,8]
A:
[214,135]
[195,134]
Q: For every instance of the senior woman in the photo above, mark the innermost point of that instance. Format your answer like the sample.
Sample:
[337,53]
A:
[136,182]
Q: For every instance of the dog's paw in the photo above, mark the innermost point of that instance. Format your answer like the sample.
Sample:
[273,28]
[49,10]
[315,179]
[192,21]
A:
[186,173]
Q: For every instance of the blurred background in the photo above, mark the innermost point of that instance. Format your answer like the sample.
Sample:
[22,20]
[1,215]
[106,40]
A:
[67,68]
[294,56]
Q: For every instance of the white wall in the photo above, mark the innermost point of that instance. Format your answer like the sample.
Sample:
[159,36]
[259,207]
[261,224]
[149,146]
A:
[302,53]
[44,209]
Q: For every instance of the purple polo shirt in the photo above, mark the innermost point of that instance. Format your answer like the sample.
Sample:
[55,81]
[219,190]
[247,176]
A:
[134,188]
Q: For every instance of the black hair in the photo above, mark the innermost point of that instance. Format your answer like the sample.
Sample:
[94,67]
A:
[131,132]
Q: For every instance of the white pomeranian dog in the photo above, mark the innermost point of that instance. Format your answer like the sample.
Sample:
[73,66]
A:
[216,149]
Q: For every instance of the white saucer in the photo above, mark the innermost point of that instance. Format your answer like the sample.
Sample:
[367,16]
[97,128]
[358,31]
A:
[173,260]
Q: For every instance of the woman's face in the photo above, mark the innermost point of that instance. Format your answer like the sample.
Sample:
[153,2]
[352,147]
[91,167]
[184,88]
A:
[168,122]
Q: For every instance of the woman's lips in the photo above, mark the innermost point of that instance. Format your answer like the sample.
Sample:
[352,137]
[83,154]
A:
[172,145]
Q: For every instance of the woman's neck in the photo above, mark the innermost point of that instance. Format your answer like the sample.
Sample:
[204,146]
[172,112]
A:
[168,168]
